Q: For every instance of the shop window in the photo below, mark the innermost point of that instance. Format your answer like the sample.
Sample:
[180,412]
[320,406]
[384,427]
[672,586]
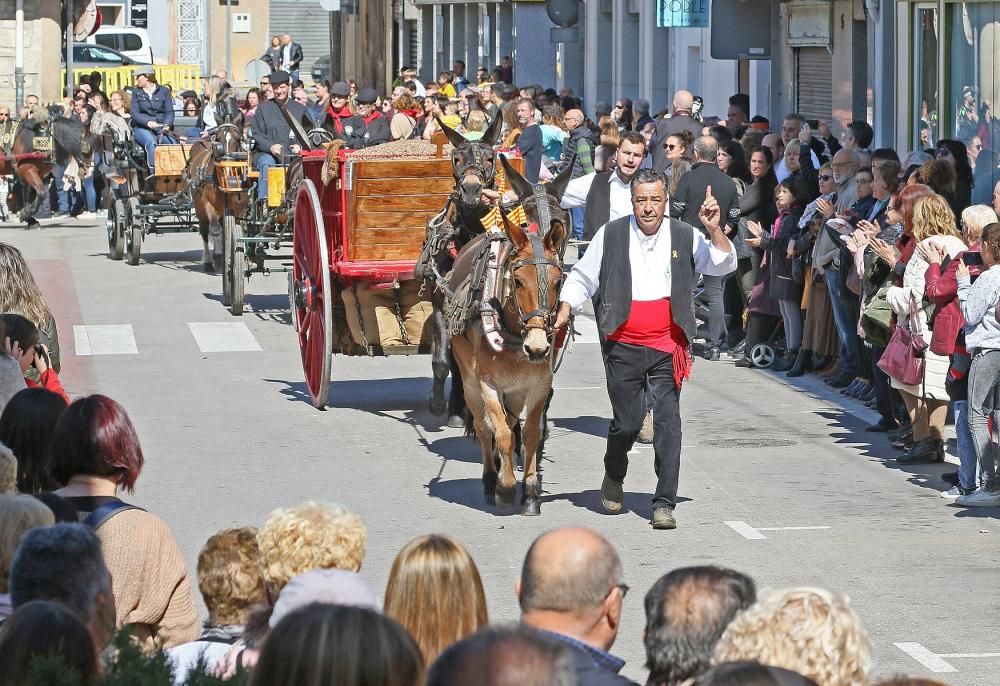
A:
[925,77]
[972,90]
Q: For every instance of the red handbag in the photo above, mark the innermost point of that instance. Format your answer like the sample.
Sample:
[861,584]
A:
[903,358]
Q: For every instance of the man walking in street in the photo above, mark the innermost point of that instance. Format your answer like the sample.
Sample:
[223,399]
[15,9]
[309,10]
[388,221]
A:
[685,205]
[291,57]
[680,120]
[530,140]
[640,270]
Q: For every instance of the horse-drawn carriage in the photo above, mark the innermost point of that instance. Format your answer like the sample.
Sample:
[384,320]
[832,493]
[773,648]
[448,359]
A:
[141,202]
[356,242]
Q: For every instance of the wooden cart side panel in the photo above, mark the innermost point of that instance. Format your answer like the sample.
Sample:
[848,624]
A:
[389,205]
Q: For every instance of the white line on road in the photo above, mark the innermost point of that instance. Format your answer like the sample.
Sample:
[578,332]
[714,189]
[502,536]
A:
[925,657]
[105,339]
[745,530]
[974,656]
[219,337]
[754,532]
[791,528]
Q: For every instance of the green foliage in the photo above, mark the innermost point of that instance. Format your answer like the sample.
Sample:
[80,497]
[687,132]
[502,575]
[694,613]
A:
[128,667]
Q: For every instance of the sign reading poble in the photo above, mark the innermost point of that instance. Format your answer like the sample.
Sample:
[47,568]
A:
[683,13]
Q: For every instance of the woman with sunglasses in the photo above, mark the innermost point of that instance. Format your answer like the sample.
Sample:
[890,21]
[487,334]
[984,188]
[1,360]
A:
[756,205]
[622,115]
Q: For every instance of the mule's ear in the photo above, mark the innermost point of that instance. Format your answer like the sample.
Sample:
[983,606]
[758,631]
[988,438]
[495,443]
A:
[453,136]
[557,234]
[557,186]
[514,232]
[492,134]
[515,181]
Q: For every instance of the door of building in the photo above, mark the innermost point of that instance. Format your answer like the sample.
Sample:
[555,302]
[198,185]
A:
[814,83]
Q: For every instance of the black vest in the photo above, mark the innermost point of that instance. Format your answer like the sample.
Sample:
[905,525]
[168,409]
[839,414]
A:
[598,208]
[613,300]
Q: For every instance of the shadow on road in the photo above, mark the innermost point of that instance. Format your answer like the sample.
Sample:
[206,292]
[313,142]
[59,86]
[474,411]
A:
[271,307]
[469,493]
[585,424]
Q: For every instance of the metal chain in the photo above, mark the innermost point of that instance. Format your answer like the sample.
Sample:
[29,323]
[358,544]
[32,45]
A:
[399,313]
[361,319]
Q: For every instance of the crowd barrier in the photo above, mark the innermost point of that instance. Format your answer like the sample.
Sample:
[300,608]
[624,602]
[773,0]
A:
[181,77]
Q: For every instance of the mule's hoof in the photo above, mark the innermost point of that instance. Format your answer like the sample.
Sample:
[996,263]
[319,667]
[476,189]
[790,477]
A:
[531,508]
[437,405]
[505,496]
[456,422]
[490,498]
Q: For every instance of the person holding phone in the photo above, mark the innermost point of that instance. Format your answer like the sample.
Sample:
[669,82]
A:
[21,342]
[979,302]
[948,337]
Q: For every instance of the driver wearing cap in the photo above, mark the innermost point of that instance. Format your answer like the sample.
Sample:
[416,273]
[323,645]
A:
[152,112]
[273,136]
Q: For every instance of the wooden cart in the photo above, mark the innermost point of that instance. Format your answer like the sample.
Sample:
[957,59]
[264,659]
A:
[355,245]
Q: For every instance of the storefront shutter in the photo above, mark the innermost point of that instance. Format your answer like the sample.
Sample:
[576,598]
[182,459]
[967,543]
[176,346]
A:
[309,26]
[814,83]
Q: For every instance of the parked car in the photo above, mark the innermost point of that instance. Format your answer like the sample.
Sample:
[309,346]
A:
[321,69]
[127,40]
[87,55]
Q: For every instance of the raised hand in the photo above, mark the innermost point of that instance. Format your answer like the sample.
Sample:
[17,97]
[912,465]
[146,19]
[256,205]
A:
[754,228]
[709,214]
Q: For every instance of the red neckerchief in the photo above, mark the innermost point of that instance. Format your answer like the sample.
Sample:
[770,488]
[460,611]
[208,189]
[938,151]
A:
[372,117]
[338,116]
[415,113]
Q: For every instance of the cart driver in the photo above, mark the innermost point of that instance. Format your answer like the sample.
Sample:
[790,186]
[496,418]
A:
[272,136]
[152,112]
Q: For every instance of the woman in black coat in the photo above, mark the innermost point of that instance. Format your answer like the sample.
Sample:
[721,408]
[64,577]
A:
[778,245]
[756,205]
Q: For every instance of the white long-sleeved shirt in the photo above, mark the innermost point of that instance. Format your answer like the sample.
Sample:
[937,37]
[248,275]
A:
[651,279]
[579,188]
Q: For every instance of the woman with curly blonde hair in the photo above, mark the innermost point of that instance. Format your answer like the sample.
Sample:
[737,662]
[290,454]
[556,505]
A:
[19,294]
[808,630]
[309,536]
[435,592]
[927,402]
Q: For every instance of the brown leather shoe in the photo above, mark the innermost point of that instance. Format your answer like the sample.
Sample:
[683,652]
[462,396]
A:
[612,495]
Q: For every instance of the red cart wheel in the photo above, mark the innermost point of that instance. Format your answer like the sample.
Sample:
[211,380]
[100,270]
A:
[312,292]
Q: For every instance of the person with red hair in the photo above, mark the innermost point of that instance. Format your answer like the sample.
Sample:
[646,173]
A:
[94,452]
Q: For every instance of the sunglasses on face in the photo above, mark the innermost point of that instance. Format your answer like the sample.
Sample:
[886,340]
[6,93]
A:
[670,146]
[4,114]
[825,177]
[942,152]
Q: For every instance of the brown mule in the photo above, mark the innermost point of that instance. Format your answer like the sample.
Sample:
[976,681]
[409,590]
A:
[500,385]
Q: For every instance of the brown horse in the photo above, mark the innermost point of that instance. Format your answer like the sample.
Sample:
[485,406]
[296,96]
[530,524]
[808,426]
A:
[69,139]
[210,203]
[501,384]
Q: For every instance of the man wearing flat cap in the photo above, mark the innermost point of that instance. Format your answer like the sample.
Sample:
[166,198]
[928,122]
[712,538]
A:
[272,135]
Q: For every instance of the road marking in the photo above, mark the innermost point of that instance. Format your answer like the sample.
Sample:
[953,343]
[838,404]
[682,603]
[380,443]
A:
[220,337]
[745,530]
[754,532]
[930,660]
[104,339]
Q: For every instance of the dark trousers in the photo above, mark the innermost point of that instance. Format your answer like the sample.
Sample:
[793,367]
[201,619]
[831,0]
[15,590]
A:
[629,370]
[886,398]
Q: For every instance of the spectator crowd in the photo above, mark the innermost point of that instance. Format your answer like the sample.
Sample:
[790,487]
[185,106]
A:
[873,270]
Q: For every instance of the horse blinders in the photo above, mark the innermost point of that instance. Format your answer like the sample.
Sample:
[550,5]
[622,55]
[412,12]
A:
[538,260]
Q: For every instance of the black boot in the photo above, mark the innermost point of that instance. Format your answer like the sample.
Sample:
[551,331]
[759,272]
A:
[803,363]
[786,362]
[927,451]
[821,362]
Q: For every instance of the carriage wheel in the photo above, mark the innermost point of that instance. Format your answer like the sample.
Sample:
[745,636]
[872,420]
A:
[117,225]
[133,232]
[312,293]
[234,267]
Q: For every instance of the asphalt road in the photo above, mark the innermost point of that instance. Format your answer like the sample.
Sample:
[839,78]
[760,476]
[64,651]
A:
[229,434]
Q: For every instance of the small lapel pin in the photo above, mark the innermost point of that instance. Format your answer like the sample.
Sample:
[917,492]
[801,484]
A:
[674,254]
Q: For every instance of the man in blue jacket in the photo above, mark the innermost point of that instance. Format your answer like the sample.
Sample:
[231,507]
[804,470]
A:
[152,112]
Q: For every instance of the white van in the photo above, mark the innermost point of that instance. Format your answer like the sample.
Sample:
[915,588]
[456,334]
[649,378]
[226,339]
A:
[127,40]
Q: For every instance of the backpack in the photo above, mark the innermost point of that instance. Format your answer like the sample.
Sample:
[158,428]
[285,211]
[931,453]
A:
[106,511]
